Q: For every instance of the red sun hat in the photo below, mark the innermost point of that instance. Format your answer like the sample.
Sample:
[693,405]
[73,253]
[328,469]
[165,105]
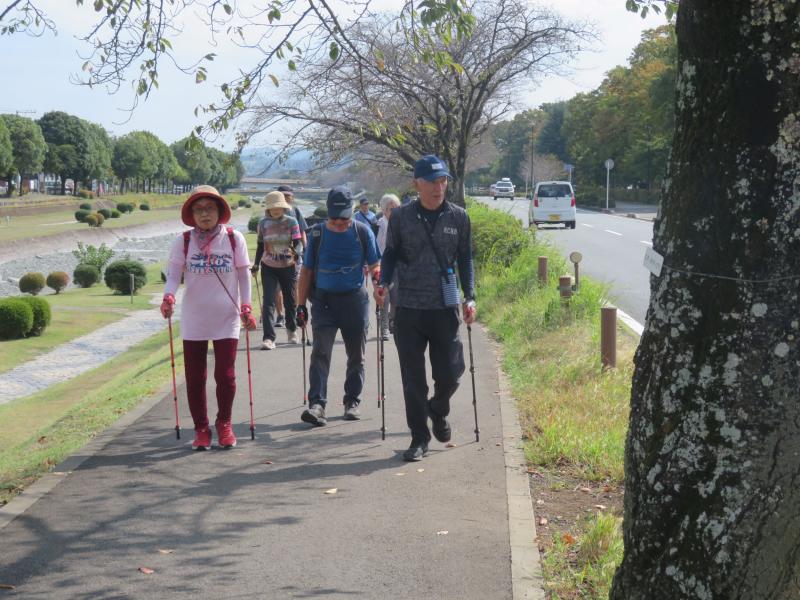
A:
[205,191]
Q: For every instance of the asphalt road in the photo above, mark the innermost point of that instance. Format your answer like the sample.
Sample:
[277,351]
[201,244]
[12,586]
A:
[612,246]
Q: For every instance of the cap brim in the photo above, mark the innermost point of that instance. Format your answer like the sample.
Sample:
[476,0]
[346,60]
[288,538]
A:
[186,211]
[345,213]
[435,175]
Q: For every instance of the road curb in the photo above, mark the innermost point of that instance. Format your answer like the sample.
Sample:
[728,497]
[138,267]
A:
[47,483]
[527,580]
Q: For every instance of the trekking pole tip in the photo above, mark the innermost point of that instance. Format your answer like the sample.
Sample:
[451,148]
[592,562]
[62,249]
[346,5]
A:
[177,432]
[252,433]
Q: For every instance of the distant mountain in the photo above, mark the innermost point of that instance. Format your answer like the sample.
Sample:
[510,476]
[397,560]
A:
[256,161]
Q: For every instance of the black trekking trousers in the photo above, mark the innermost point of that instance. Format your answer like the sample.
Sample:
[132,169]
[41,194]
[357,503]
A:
[437,330]
[271,278]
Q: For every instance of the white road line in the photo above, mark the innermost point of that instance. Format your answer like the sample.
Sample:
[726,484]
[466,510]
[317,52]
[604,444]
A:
[589,226]
[647,243]
[612,232]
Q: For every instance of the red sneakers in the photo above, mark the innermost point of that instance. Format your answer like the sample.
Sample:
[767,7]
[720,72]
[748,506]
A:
[225,436]
[202,439]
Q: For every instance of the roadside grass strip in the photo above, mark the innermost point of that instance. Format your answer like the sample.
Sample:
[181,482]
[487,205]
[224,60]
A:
[76,312]
[574,415]
[41,430]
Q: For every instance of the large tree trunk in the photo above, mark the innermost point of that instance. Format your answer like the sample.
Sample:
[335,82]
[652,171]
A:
[712,501]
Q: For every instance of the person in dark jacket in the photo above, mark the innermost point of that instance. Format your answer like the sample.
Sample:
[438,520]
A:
[429,245]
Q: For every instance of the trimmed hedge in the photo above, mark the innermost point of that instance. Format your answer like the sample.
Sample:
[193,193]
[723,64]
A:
[105,212]
[91,220]
[125,207]
[117,276]
[144,206]
[115,214]
[86,275]
[80,215]
[252,224]
[85,206]
[88,194]
[16,318]
[57,280]
[31,283]
[496,237]
[41,314]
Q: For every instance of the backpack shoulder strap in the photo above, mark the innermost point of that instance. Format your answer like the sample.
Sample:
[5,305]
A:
[315,233]
[232,238]
[361,231]
[187,235]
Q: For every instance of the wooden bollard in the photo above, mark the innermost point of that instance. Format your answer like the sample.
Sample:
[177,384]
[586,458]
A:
[565,287]
[542,270]
[608,337]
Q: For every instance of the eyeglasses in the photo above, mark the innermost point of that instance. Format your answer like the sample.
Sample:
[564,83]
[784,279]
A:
[204,209]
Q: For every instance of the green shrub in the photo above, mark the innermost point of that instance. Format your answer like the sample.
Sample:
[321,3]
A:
[86,275]
[105,212]
[115,214]
[31,283]
[252,224]
[41,314]
[57,280]
[321,211]
[85,206]
[496,237]
[86,194]
[16,318]
[242,202]
[91,255]
[118,273]
[124,207]
[80,215]
[247,205]
[91,220]
[144,206]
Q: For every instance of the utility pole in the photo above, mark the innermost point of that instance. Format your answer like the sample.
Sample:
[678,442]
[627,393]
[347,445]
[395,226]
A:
[533,134]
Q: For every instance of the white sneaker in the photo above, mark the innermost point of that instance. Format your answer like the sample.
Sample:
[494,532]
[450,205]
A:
[268,345]
[292,337]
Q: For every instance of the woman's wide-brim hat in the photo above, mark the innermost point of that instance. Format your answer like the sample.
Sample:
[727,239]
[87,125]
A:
[198,193]
[276,200]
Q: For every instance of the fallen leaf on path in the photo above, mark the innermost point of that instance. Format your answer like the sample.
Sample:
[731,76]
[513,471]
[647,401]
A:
[332,491]
[569,540]
[543,521]
[5,586]
[420,470]
[146,570]
[450,445]
[165,551]
[266,462]
[498,444]
[600,506]
[443,532]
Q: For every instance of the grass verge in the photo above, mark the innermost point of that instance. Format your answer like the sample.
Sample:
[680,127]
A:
[573,414]
[41,430]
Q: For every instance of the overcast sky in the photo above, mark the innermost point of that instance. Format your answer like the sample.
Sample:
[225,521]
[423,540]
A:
[36,71]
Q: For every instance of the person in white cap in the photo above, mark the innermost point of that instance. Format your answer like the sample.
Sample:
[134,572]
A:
[279,245]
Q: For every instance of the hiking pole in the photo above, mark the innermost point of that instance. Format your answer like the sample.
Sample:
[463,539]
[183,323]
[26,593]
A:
[260,305]
[378,350]
[472,373]
[250,385]
[382,388]
[174,385]
[303,339]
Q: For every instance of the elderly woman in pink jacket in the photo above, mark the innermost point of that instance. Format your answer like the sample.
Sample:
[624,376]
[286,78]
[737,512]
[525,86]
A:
[214,263]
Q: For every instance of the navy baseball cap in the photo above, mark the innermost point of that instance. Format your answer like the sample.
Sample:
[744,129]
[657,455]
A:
[340,203]
[430,167]
[285,189]
[364,200]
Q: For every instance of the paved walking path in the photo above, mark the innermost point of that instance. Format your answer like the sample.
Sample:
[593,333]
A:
[256,521]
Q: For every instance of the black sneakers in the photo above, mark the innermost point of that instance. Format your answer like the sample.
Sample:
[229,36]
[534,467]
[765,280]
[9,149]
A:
[415,452]
[314,414]
[351,412]
[440,428]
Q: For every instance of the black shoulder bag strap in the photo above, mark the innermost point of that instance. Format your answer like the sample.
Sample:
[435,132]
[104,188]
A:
[439,258]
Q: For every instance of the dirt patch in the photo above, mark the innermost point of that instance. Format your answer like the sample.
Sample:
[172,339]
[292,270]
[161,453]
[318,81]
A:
[560,501]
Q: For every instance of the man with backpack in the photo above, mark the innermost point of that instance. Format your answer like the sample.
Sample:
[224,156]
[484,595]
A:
[332,277]
[429,244]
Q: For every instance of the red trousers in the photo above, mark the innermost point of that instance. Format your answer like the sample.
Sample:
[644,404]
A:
[196,368]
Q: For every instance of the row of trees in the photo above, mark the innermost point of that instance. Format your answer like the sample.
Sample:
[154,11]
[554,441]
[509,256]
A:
[630,117]
[73,148]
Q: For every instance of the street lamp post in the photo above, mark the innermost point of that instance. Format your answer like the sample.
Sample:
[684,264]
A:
[609,165]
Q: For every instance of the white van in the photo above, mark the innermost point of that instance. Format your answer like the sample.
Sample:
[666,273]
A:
[553,202]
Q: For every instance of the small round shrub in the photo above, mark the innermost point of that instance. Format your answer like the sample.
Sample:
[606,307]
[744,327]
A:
[85,206]
[86,275]
[41,314]
[144,206]
[242,202]
[57,280]
[31,283]
[86,194]
[16,318]
[252,224]
[321,211]
[80,215]
[124,207]
[117,276]
[100,219]
[105,212]
[91,220]
[247,205]
[115,214]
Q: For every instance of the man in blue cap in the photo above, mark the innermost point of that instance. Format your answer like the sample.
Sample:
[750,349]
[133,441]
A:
[332,276]
[429,243]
